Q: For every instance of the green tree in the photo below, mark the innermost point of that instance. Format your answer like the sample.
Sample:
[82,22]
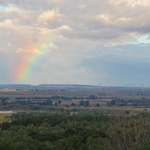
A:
[97,105]
[81,103]
[59,101]
[56,104]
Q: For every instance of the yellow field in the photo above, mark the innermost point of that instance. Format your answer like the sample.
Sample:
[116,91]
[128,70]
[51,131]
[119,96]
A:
[3,116]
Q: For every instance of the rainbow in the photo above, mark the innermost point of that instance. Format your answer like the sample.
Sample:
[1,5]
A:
[27,61]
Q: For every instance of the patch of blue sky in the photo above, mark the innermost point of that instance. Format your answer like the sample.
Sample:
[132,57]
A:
[2,7]
[143,40]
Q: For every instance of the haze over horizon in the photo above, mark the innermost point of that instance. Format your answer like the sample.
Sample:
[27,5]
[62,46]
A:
[75,42]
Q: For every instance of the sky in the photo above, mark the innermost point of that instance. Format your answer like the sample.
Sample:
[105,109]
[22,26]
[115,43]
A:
[104,42]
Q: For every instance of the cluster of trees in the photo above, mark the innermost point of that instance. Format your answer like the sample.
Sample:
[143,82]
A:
[84,103]
[78,132]
[28,104]
[143,102]
[44,104]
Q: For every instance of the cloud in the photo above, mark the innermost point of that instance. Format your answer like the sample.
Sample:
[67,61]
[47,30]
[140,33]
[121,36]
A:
[85,17]
[51,18]
[131,3]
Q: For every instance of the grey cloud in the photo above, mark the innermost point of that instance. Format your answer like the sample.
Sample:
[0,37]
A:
[99,20]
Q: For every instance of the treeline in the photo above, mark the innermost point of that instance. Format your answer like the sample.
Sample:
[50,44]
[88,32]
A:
[44,104]
[143,102]
[37,98]
[44,131]
[69,98]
